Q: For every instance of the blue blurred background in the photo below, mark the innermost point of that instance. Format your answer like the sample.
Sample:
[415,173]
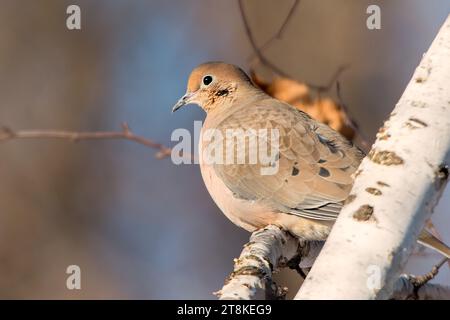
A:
[137,226]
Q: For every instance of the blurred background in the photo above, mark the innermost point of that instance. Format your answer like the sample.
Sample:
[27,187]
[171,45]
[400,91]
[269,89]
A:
[140,227]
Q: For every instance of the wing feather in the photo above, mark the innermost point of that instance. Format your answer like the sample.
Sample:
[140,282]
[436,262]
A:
[315,163]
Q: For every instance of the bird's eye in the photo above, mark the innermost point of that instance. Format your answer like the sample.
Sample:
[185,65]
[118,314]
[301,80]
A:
[207,80]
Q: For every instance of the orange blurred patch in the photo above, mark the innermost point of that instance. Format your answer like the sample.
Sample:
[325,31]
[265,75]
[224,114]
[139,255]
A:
[298,94]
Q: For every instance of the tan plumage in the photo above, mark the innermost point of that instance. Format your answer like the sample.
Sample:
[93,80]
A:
[314,175]
[316,163]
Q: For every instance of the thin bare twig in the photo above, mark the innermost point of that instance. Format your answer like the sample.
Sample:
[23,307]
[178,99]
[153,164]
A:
[411,287]
[318,88]
[126,134]
[419,281]
[279,33]
[350,121]
[254,45]
[334,79]
[266,62]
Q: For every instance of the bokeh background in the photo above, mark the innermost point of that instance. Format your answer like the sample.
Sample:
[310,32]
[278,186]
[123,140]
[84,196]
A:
[137,226]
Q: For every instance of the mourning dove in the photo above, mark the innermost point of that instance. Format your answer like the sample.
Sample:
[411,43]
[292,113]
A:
[314,163]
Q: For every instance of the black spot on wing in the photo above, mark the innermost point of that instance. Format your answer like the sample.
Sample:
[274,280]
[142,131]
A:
[324,172]
[329,143]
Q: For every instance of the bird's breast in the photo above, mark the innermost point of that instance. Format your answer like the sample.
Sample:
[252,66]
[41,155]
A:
[255,214]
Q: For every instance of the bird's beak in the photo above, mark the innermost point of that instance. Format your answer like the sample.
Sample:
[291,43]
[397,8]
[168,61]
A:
[186,99]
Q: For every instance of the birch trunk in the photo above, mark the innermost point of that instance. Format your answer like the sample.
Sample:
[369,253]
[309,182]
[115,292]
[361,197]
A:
[396,188]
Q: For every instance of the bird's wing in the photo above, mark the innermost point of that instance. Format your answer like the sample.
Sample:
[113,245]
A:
[315,163]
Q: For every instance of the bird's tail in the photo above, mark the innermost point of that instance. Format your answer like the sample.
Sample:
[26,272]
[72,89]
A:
[430,241]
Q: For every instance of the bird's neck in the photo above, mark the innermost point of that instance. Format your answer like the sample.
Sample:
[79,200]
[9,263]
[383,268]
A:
[242,98]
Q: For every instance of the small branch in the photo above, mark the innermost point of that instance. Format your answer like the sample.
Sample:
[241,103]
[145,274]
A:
[421,280]
[350,121]
[255,47]
[404,289]
[268,249]
[266,62]
[258,52]
[279,33]
[410,287]
[126,134]
[286,21]
[334,79]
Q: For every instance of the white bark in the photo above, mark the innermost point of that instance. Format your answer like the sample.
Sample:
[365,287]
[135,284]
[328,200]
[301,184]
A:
[396,188]
[267,250]
[271,248]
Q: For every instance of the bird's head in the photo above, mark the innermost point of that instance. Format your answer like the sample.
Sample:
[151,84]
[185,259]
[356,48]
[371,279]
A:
[214,85]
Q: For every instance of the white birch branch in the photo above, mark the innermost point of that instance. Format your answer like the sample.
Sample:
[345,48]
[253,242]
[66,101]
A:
[396,188]
[272,248]
[267,250]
